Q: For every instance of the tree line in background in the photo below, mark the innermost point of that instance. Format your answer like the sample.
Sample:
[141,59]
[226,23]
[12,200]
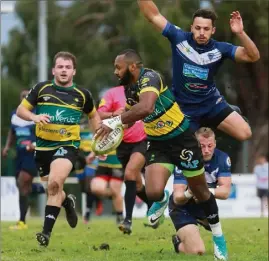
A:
[97,30]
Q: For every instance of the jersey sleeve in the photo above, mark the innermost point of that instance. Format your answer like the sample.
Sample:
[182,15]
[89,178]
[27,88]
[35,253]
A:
[225,168]
[89,107]
[150,82]
[30,101]
[179,177]
[106,103]
[173,33]
[227,50]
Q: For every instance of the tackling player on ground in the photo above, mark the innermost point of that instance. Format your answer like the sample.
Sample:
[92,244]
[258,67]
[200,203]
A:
[59,107]
[186,213]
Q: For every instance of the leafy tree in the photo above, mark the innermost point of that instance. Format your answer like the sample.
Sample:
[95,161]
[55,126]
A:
[97,30]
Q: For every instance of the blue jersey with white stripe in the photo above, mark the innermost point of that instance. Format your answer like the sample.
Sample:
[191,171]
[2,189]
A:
[218,166]
[24,132]
[194,65]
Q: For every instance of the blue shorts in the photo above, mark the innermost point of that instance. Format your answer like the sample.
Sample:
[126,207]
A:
[88,171]
[182,215]
[25,161]
[209,113]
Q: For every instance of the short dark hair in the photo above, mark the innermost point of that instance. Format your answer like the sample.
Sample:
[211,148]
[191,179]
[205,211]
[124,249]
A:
[65,56]
[131,56]
[207,14]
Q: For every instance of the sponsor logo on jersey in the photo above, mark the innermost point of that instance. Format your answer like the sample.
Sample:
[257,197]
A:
[195,87]
[192,71]
[60,118]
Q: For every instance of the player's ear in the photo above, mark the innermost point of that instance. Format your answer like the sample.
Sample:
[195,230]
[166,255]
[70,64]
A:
[74,72]
[213,30]
[191,27]
[53,71]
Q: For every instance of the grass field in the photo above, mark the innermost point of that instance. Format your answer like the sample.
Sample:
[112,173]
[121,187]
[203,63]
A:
[247,241]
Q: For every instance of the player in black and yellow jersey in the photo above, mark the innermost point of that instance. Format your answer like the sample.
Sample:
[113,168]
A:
[59,106]
[170,141]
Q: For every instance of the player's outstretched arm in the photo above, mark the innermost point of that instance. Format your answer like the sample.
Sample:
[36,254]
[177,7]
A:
[248,52]
[152,14]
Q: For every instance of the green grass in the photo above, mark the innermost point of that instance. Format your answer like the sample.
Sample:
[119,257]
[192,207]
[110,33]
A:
[247,241]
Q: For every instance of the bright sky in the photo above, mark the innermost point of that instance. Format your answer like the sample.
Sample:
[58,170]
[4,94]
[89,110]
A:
[9,19]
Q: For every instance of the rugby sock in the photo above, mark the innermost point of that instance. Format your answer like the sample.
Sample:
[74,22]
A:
[51,214]
[129,198]
[210,208]
[162,198]
[142,194]
[119,214]
[23,202]
[90,199]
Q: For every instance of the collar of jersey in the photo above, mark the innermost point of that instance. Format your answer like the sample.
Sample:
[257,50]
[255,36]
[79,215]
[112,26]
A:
[61,88]
[141,72]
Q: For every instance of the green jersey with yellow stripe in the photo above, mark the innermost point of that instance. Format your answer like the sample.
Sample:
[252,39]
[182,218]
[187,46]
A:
[167,120]
[65,106]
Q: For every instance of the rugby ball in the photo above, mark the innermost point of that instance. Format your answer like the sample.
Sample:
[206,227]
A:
[108,144]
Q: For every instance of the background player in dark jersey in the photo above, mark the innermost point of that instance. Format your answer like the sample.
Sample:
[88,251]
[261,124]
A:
[170,141]
[196,60]
[187,214]
[59,107]
[23,134]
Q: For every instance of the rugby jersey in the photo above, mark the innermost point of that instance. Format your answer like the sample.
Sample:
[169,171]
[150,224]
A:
[167,120]
[65,106]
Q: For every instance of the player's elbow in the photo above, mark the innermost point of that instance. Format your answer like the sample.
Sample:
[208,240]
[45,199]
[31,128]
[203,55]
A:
[225,194]
[256,57]
[18,111]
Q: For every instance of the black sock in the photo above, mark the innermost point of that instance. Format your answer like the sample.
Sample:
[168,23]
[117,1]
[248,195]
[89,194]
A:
[23,202]
[211,210]
[51,214]
[129,198]
[119,214]
[142,195]
[89,200]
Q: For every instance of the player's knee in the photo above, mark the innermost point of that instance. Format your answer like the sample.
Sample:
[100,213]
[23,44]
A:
[53,188]
[245,133]
[130,174]
[198,250]
[97,188]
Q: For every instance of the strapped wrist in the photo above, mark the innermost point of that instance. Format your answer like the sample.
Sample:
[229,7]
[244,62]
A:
[187,194]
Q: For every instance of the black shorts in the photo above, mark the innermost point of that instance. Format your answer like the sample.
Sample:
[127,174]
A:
[44,158]
[109,173]
[125,150]
[182,151]
[215,121]
[263,193]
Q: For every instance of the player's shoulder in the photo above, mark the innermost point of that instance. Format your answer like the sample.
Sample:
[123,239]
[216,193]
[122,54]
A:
[42,84]
[150,74]
[84,90]
[222,157]
[115,90]
[222,46]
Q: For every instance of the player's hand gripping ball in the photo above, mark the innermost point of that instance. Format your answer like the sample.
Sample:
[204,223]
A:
[110,143]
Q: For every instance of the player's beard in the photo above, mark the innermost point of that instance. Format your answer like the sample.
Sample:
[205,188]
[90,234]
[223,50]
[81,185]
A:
[126,78]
